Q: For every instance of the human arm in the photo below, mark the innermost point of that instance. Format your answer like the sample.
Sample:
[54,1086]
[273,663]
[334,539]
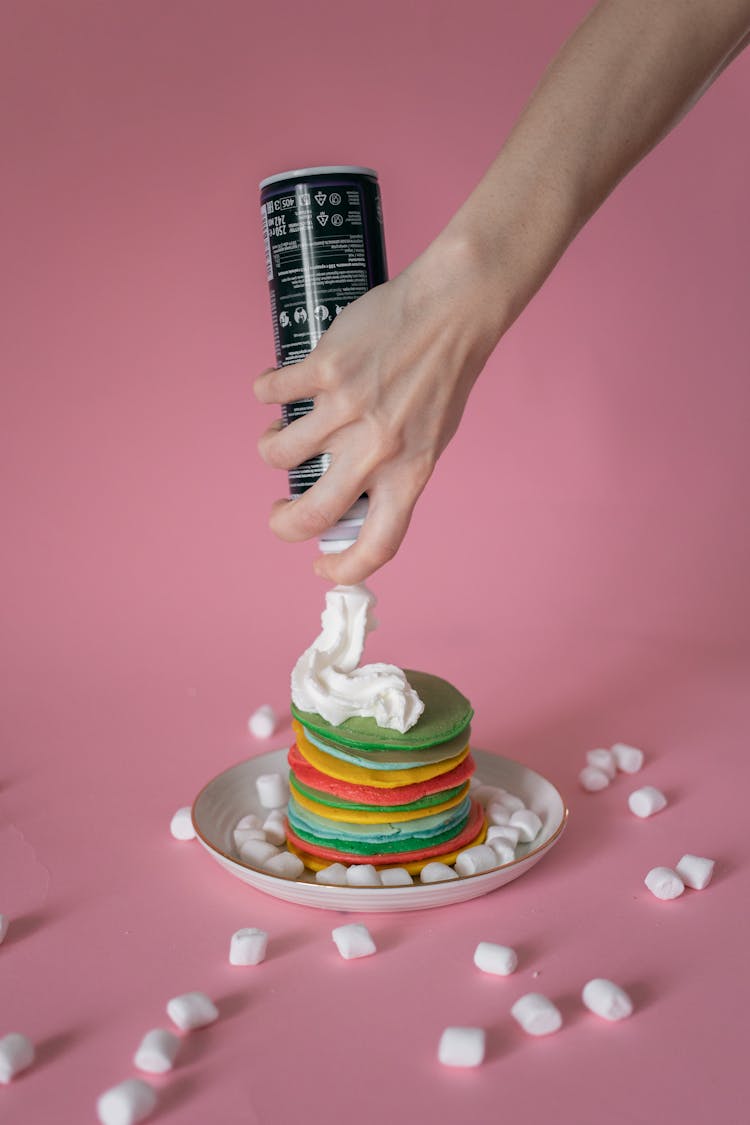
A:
[392,375]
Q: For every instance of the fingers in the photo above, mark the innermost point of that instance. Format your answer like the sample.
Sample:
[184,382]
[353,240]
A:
[388,517]
[285,384]
[321,506]
[285,447]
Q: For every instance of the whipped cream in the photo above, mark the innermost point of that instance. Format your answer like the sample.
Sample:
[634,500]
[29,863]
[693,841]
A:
[326,678]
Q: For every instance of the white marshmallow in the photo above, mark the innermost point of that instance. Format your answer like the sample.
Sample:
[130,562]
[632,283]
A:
[511,802]
[500,960]
[536,1014]
[274,828]
[157,1051]
[507,832]
[528,824]
[332,876]
[504,852]
[606,999]
[127,1103]
[664,883]
[498,813]
[646,801]
[16,1054]
[362,875]
[257,852]
[603,760]
[395,877]
[250,820]
[437,872]
[473,861]
[181,824]
[285,865]
[461,1046]
[192,1010]
[248,946]
[593,780]
[353,941]
[695,871]
[241,835]
[272,790]
[4,923]
[262,723]
[486,794]
[627,758]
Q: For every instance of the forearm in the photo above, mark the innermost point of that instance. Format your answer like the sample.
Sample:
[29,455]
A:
[626,76]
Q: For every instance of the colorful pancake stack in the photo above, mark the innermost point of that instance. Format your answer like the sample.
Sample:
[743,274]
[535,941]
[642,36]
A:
[361,793]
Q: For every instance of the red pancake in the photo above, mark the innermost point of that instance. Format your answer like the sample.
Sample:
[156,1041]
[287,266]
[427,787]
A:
[464,838]
[369,794]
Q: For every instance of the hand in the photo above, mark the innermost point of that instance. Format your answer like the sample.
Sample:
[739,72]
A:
[390,379]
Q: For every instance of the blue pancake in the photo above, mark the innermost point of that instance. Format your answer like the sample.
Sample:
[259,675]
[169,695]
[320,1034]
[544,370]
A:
[411,834]
[389,759]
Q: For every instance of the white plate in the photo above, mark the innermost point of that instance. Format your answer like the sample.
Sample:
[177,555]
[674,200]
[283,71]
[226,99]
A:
[232,794]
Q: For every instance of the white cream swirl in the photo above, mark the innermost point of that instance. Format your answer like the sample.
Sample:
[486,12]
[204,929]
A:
[326,678]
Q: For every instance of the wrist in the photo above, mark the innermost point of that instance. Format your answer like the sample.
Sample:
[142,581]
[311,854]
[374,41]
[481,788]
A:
[459,274]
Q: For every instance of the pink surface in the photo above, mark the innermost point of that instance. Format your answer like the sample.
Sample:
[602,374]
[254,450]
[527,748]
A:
[589,523]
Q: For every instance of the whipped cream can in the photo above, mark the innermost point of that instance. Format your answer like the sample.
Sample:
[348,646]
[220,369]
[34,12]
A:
[323,234]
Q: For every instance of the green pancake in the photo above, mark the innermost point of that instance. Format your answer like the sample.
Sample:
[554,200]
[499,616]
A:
[339,803]
[446,713]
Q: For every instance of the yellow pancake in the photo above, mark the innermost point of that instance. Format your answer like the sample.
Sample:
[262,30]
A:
[372,816]
[381,779]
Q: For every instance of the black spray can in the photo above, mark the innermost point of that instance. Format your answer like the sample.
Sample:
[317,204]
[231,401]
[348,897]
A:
[323,233]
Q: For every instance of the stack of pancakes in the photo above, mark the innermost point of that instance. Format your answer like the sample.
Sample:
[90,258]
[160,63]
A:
[361,793]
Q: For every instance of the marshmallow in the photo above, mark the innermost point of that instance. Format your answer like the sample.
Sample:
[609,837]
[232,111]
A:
[511,802]
[272,792]
[285,865]
[127,1103]
[606,999]
[332,876]
[248,947]
[257,852]
[498,813]
[487,794]
[250,820]
[395,877]
[603,760]
[507,832]
[437,872]
[528,824]
[461,1046]
[500,960]
[664,883]
[240,835]
[157,1051]
[353,941]
[504,852]
[695,871]
[192,1010]
[274,828]
[4,923]
[181,824]
[16,1054]
[362,875]
[593,779]
[474,861]
[646,801]
[262,723]
[536,1014]
[627,758]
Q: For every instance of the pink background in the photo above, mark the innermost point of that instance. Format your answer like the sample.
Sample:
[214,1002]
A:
[578,566]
